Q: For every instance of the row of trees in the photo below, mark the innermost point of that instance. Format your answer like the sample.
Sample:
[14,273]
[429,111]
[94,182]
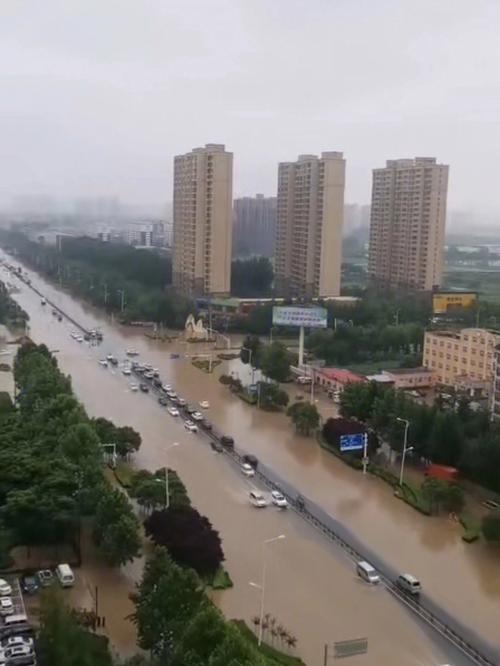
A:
[273,359]
[457,437]
[11,314]
[51,467]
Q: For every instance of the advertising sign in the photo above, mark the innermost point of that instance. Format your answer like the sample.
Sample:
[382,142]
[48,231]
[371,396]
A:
[284,315]
[352,442]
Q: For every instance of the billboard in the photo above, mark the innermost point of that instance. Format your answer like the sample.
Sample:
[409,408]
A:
[352,442]
[447,301]
[284,315]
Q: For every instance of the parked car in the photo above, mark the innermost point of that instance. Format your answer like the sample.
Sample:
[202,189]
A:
[6,606]
[29,583]
[134,387]
[126,371]
[189,425]
[103,362]
[157,382]
[163,401]
[45,577]
[227,441]
[278,499]
[181,402]
[206,424]
[190,409]
[13,641]
[247,470]
[257,499]
[65,575]
[197,416]
[216,446]
[144,388]
[173,411]
[5,588]
[18,653]
[204,404]
[251,460]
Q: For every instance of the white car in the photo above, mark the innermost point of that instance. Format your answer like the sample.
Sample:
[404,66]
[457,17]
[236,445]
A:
[173,411]
[172,395]
[134,387]
[18,651]
[127,371]
[257,499]
[110,357]
[74,335]
[197,416]
[103,362]
[278,499]
[14,641]
[79,338]
[247,470]
[189,425]
[5,588]
[6,606]
[166,388]
[204,404]
[132,352]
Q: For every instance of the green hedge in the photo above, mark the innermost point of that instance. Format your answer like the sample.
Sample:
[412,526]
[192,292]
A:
[472,527]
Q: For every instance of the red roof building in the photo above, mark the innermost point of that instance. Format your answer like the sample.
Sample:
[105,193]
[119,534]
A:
[336,379]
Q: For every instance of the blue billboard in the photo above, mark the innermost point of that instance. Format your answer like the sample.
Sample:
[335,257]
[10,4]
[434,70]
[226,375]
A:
[352,442]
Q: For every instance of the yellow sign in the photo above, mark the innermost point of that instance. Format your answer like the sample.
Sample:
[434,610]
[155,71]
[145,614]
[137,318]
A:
[443,302]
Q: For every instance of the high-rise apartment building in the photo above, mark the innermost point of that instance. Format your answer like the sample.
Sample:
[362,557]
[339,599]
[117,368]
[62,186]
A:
[407,224]
[202,231]
[254,228]
[310,214]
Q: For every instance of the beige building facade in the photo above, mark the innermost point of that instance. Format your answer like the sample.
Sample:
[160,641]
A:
[462,359]
[310,213]
[407,223]
[202,229]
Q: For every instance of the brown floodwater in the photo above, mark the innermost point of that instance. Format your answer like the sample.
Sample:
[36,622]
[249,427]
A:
[312,589]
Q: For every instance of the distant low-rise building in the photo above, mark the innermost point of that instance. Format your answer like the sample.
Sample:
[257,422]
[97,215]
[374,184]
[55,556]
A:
[410,378]
[336,379]
[463,359]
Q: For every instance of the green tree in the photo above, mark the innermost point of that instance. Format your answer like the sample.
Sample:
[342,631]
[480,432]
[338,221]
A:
[251,277]
[454,498]
[491,526]
[272,396]
[305,417]
[275,362]
[116,529]
[250,350]
[166,601]
[357,400]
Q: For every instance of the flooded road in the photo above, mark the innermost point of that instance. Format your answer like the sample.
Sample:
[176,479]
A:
[312,589]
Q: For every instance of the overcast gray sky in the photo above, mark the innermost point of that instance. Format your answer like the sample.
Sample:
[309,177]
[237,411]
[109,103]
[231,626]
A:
[97,96]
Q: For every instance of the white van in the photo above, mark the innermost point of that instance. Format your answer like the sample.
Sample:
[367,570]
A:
[409,584]
[15,620]
[65,575]
[367,573]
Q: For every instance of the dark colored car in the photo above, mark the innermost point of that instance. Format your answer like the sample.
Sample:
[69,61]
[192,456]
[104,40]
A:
[113,361]
[163,401]
[206,424]
[250,460]
[144,388]
[227,441]
[29,584]
[156,374]
[190,409]
[217,446]
[157,383]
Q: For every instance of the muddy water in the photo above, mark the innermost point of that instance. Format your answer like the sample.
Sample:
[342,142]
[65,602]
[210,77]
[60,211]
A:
[312,589]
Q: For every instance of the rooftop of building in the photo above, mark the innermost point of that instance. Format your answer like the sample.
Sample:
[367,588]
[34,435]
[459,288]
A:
[341,375]
[457,335]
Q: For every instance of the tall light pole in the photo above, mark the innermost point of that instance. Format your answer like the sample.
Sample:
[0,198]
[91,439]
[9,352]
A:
[122,299]
[262,586]
[167,490]
[405,448]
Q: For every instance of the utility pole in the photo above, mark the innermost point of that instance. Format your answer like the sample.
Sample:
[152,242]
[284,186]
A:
[105,293]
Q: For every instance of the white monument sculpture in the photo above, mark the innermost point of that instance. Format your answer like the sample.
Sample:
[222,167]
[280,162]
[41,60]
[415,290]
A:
[195,330]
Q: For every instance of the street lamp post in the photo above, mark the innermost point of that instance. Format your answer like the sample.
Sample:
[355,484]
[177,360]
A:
[405,448]
[262,586]
[167,490]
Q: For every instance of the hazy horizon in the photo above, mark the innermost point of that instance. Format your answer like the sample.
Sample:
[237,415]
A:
[97,97]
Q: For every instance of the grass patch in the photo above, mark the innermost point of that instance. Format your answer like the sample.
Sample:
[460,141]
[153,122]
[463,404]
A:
[124,474]
[206,365]
[275,657]
[373,367]
[221,580]
[472,527]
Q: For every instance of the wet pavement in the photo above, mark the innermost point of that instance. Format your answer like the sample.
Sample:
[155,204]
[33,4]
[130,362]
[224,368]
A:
[312,589]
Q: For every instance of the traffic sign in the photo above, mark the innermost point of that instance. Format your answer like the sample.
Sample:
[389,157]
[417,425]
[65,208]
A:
[352,442]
